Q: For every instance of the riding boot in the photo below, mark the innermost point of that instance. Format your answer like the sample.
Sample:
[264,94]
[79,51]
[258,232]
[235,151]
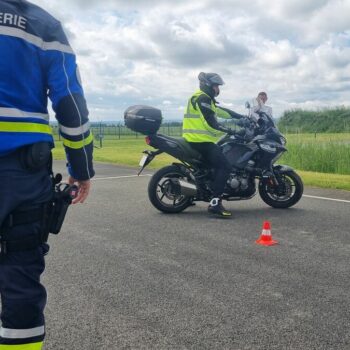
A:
[216,208]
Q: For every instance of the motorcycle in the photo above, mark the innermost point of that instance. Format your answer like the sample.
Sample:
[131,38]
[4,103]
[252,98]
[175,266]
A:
[251,152]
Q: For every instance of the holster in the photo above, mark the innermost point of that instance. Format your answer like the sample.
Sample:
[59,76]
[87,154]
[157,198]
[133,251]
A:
[34,157]
[58,206]
[50,215]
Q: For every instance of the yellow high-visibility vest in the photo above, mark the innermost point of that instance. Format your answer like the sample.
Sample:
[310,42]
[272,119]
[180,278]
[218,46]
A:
[195,128]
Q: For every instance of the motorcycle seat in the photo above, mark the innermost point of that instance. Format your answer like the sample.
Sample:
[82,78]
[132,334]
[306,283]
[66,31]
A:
[184,145]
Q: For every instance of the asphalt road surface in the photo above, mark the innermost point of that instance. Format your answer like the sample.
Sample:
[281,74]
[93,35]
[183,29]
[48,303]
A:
[122,275]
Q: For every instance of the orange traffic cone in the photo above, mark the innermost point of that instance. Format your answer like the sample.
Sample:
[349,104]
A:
[266,237]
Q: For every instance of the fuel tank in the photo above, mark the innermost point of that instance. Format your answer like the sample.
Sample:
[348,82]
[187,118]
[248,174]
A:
[238,154]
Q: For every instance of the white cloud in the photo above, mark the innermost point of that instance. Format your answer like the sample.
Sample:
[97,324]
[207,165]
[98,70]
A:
[279,55]
[150,51]
[334,17]
[295,8]
[333,56]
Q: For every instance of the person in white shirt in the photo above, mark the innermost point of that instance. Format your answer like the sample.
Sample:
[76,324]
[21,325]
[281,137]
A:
[258,105]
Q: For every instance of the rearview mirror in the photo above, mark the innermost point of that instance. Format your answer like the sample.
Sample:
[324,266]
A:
[247,105]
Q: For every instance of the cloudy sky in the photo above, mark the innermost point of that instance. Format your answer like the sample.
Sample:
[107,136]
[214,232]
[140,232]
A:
[151,51]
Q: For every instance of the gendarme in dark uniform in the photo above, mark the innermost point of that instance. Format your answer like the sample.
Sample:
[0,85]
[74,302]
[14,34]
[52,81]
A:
[36,62]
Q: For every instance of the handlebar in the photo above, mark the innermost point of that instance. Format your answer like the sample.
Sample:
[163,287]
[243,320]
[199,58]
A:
[248,129]
[245,134]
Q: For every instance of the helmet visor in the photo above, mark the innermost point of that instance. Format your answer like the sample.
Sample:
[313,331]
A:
[215,79]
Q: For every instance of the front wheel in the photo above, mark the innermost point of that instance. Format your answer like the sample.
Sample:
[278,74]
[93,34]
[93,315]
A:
[286,194]
[162,192]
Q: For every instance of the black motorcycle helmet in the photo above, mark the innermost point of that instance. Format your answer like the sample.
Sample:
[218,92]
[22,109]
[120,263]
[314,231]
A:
[207,81]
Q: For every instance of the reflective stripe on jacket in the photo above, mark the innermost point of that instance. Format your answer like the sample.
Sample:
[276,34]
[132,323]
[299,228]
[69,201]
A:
[37,62]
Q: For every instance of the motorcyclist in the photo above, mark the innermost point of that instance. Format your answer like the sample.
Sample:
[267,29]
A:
[201,129]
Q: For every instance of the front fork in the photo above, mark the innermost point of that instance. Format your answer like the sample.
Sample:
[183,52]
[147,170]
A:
[270,177]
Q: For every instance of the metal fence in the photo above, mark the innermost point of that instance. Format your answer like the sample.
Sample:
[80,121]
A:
[102,131]
[120,131]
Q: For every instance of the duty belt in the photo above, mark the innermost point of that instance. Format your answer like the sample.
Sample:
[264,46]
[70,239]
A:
[29,243]
[22,217]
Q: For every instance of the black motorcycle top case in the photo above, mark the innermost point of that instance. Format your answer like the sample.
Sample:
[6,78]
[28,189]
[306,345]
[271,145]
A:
[143,119]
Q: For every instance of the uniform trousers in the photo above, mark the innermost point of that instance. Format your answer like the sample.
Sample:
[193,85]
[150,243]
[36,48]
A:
[23,297]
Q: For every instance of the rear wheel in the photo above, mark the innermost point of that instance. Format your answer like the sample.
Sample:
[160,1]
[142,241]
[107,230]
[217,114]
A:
[286,194]
[162,192]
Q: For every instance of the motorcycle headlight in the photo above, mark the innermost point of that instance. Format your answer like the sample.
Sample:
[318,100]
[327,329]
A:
[268,147]
[283,141]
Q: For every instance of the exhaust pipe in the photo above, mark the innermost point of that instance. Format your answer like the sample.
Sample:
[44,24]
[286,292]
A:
[184,188]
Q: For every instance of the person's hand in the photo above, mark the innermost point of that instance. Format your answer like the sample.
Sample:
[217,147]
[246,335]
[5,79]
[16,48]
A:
[249,134]
[83,189]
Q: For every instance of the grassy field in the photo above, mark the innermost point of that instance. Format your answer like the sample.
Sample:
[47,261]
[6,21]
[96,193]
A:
[324,153]
[123,152]
[322,160]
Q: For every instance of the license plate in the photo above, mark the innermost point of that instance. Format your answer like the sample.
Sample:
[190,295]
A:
[143,160]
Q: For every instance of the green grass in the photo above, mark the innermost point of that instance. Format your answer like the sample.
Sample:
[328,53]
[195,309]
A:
[324,180]
[319,137]
[327,156]
[123,152]
[324,153]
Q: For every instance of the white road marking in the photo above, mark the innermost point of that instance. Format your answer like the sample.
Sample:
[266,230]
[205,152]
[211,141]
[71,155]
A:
[327,199]
[118,177]
[147,175]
